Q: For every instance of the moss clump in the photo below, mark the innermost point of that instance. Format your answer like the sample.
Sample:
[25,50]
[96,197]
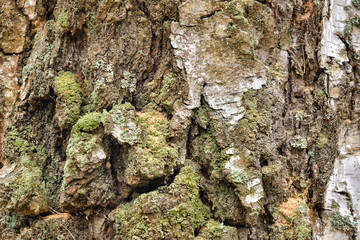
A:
[88,123]
[63,18]
[342,223]
[202,116]
[174,212]
[11,221]
[86,181]
[70,96]
[322,141]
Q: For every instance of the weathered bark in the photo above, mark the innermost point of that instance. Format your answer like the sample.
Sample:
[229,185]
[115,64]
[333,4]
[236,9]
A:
[202,119]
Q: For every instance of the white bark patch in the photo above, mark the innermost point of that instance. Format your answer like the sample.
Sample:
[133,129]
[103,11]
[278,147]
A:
[256,187]
[331,45]
[213,69]
[345,179]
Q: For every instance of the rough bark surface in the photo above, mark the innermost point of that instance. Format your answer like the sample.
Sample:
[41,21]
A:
[179,119]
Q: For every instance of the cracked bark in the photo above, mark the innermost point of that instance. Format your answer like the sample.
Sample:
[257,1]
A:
[204,119]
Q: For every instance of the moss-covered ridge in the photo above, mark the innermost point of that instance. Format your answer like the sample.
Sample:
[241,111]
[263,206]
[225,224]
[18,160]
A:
[70,98]
[173,212]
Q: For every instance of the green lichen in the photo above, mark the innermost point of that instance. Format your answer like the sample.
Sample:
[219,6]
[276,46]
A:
[70,96]
[63,18]
[124,115]
[322,141]
[202,116]
[12,221]
[215,230]
[356,3]
[350,24]
[20,144]
[342,223]
[128,81]
[293,221]
[334,204]
[239,176]
[88,123]
[299,142]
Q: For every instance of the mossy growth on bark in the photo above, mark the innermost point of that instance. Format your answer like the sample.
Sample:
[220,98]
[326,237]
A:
[152,156]
[174,212]
[70,97]
[28,191]
[63,18]
[88,123]
[342,223]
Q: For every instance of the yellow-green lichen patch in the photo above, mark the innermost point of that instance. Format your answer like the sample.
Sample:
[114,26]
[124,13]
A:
[70,98]
[152,157]
[173,212]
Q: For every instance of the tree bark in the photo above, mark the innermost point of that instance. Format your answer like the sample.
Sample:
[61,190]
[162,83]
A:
[202,119]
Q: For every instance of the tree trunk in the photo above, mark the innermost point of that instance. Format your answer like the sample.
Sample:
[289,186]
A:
[183,119]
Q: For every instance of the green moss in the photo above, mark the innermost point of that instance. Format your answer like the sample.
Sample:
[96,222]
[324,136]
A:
[342,223]
[70,95]
[88,123]
[63,18]
[175,212]
[82,191]
[80,141]
[322,141]
[28,190]
[202,116]
[334,204]
[303,232]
